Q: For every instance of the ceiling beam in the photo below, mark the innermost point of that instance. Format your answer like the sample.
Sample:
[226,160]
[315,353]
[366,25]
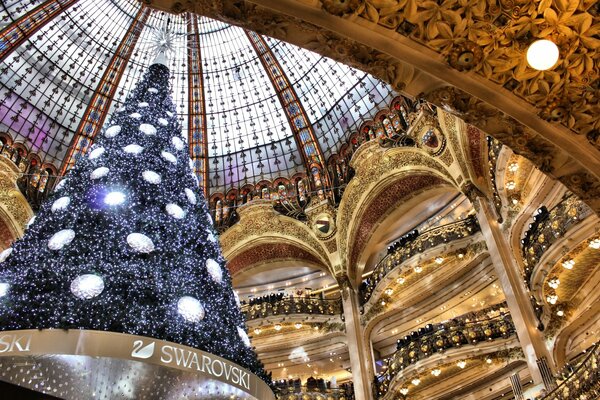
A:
[98,108]
[13,35]
[312,155]
[197,129]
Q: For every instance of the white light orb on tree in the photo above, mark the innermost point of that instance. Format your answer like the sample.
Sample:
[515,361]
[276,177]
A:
[151,177]
[153,90]
[61,204]
[214,270]
[148,129]
[143,104]
[114,198]
[61,238]
[163,122]
[4,255]
[96,153]
[244,336]
[191,196]
[4,289]
[87,286]
[190,309]
[61,184]
[133,149]
[542,55]
[112,131]
[175,211]
[99,173]
[170,114]
[140,243]
[169,157]
[177,143]
[136,115]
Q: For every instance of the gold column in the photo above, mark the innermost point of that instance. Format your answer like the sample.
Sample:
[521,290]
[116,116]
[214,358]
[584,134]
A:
[359,348]
[517,296]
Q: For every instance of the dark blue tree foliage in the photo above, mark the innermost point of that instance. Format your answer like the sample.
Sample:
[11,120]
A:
[135,179]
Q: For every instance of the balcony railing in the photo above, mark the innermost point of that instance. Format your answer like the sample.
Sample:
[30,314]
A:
[554,225]
[316,393]
[583,383]
[486,325]
[414,245]
[293,305]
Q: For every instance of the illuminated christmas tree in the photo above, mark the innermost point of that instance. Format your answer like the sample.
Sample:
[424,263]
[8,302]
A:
[126,242]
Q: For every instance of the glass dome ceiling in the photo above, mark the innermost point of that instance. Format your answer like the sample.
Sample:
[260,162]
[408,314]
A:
[48,81]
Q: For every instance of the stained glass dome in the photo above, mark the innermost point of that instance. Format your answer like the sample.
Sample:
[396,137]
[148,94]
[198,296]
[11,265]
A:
[254,108]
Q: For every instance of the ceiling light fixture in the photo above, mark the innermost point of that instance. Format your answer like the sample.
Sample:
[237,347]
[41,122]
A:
[542,55]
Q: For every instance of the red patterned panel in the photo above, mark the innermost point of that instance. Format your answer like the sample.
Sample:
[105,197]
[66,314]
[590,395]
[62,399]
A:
[265,253]
[388,199]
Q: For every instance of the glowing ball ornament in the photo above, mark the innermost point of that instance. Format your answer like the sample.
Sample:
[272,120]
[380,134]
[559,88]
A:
[169,157]
[114,198]
[96,153]
[191,196]
[170,114]
[244,336]
[542,55]
[136,115]
[4,289]
[61,238]
[133,149]
[214,270]
[112,131]
[148,129]
[190,309]
[153,90]
[175,211]
[178,143]
[151,177]
[99,173]
[212,237]
[61,204]
[61,184]
[163,122]
[140,243]
[4,255]
[143,105]
[87,286]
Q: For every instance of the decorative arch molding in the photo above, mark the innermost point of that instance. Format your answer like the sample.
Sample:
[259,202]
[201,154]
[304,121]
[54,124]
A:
[15,211]
[271,250]
[552,127]
[260,224]
[384,178]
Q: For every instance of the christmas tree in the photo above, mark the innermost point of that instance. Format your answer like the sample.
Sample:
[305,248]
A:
[126,242]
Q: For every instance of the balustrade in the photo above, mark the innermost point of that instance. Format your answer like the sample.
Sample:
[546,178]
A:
[554,225]
[415,244]
[305,393]
[293,305]
[36,183]
[486,325]
[583,383]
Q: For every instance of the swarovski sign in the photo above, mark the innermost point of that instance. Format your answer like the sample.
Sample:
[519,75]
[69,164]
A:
[14,343]
[171,354]
[198,366]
